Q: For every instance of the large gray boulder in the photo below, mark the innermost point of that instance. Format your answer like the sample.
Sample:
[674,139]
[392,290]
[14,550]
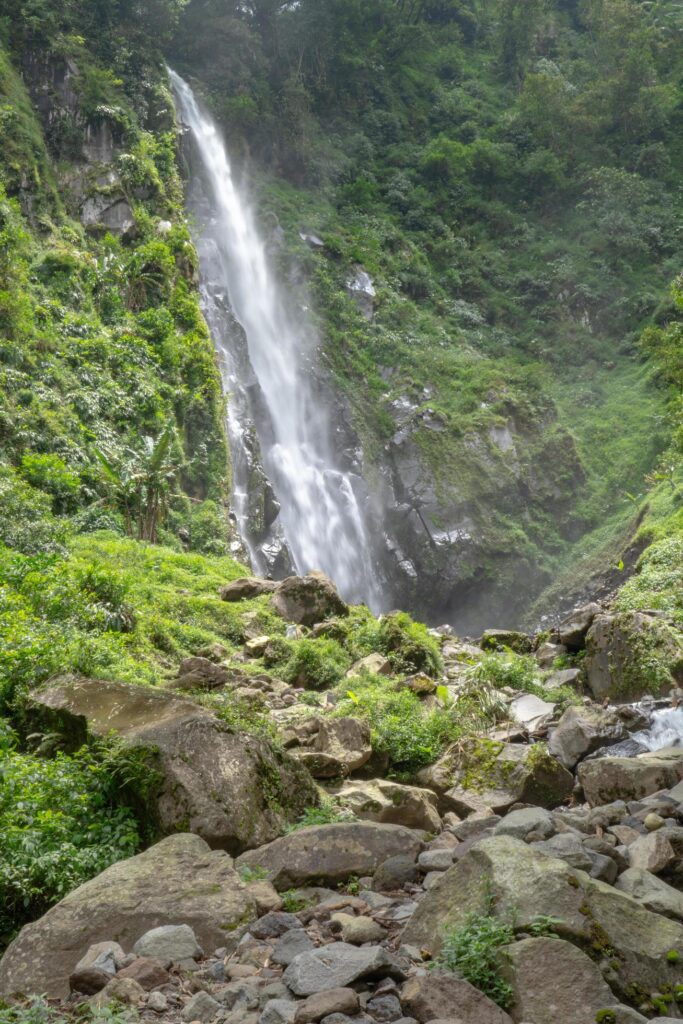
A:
[554,981]
[651,892]
[443,996]
[390,803]
[573,629]
[177,881]
[337,966]
[630,778]
[581,730]
[486,774]
[233,789]
[630,654]
[329,854]
[525,884]
[308,599]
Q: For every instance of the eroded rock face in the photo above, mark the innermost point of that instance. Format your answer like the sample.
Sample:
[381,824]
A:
[329,854]
[177,881]
[630,654]
[630,778]
[525,884]
[486,774]
[308,599]
[236,791]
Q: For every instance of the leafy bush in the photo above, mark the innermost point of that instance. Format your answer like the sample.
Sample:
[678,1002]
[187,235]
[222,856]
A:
[328,813]
[473,953]
[59,826]
[408,645]
[402,727]
[51,474]
[318,664]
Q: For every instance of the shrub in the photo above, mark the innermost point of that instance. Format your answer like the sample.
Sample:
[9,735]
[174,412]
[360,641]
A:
[402,727]
[318,664]
[473,953]
[59,826]
[408,645]
[51,474]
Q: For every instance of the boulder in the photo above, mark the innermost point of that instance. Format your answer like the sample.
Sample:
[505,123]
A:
[630,654]
[528,819]
[573,629]
[198,673]
[246,587]
[441,995]
[500,639]
[169,943]
[329,854]
[581,730]
[547,653]
[307,599]
[554,981]
[345,739]
[233,789]
[486,774]
[563,677]
[333,1000]
[177,881]
[652,853]
[651,892]
[338,965]
[630,778]
[375,663]
[530,711]
[390,803]
[523,884]
[356,929]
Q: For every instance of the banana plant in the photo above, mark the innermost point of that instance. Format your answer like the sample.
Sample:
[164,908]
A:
[142,482]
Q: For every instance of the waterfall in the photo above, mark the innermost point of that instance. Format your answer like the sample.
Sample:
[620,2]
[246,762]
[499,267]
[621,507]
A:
[316,513]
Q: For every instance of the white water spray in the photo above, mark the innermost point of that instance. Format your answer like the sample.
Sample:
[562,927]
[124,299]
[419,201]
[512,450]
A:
[321,511]
[665,730]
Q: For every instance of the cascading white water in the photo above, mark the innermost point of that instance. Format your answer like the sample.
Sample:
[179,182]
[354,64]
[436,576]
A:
[665,730]
[321,513]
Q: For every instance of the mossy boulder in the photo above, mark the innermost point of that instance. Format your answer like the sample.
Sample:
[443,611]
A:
[308,599]
[502,639]
[630,654]
[521,884]
[482,773]
[236,790]
[177,881]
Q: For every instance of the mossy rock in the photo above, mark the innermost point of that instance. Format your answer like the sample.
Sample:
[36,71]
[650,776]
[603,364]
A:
[630,654]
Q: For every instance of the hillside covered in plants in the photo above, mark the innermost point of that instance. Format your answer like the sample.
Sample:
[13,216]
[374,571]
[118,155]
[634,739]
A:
[238,799]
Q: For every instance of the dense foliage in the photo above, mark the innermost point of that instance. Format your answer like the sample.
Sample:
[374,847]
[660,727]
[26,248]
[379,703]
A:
[509,174]
[59,825]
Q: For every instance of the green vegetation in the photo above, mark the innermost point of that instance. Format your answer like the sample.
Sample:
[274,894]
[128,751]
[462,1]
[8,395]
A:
[327,813]
[38,1011]
[473,952]
[60,823]
[509,175]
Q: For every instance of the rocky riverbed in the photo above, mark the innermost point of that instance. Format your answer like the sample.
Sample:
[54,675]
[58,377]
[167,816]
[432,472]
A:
[562,824]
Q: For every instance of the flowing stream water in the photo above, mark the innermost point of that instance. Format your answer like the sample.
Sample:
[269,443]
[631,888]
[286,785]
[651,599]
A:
[314,513]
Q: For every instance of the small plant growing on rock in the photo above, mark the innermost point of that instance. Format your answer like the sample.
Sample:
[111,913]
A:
[473,952]
[673,956]
[328,813]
